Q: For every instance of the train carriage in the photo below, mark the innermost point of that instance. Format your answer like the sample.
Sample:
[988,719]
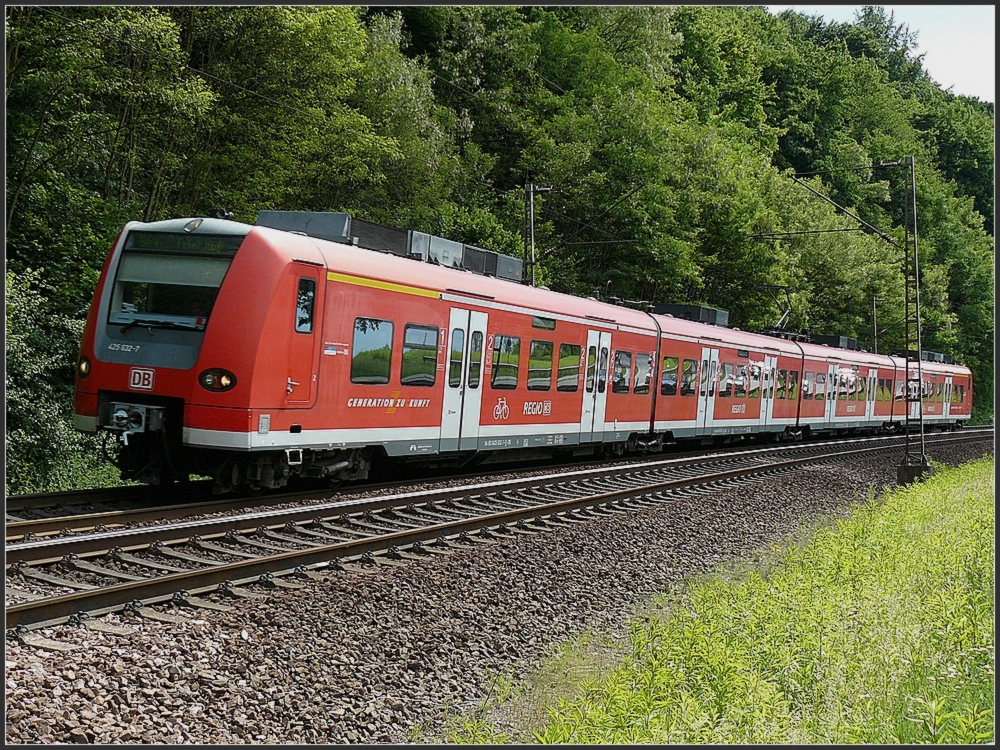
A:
[251,354]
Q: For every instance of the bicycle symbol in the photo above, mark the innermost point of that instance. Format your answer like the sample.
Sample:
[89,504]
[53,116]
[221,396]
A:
[501,410]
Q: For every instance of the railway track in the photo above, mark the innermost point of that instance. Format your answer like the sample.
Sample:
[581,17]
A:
[119,506]
[133,569]
[36,515]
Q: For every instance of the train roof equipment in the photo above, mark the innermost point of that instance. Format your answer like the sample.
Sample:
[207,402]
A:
[406,243]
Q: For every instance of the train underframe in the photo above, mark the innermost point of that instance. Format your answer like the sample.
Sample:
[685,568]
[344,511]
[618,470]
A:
[151,451]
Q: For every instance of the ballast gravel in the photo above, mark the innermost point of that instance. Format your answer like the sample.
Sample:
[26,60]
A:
[387,656]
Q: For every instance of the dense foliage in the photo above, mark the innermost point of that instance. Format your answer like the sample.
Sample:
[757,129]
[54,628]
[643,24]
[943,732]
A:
[667,134]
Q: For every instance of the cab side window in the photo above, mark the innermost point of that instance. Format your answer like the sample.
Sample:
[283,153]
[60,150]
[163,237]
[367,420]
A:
[305,302]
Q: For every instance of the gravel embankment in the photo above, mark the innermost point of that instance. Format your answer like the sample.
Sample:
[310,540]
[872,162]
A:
[363,657]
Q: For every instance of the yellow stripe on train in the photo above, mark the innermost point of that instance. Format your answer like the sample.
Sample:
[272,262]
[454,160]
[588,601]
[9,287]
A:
[387,285]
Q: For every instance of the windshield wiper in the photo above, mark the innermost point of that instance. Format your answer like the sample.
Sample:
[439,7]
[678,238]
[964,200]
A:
[137,322]
[151,324]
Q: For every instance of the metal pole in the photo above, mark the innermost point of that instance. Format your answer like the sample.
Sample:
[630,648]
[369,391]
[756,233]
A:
[531,188]
[531,223]
[915,462]
[909,161]
[875,324]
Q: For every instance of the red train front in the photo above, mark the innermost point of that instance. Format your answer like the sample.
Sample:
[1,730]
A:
[196,326]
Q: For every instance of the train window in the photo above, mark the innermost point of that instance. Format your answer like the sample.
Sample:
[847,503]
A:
[420,350]
[899,390]
[940,393]
[457,352]
[689,376]
[546,324]
[740,382]
[808,386]
[305,301]
[591,368]
[668,376]
[820,386]
[622,373]
[725,380]
[782,383]
[475,358]
[793,384]
[602,371]
[713,374]
[372,351]
[540,366]
[754,385]
[506,353]
[961,394]
[642,374]
[568,376]
[880,394]
[840,380]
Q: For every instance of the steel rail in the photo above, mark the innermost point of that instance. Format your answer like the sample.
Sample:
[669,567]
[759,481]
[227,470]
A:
[28,530]
[15,527]
[161,588]
[55,524]
[51,549]
[15,503]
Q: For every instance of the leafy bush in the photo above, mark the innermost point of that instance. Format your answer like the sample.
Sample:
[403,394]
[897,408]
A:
[44,452]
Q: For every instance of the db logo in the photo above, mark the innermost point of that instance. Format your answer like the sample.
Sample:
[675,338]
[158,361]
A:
[140,379]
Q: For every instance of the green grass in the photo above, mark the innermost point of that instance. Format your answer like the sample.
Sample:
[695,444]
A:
[877,630]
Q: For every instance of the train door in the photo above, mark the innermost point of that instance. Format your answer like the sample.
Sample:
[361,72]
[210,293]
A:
[595,386]
[463,393]
[946,405]
[767,390]
[870,395]
[303,367]
[706,388]
[832,390]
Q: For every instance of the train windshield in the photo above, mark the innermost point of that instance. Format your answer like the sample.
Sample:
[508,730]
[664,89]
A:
[170,280]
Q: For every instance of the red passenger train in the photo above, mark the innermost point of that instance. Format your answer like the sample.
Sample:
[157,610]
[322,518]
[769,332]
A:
[251,354]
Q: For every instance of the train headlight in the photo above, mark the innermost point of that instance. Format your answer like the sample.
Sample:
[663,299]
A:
[217,380]
[83,367]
